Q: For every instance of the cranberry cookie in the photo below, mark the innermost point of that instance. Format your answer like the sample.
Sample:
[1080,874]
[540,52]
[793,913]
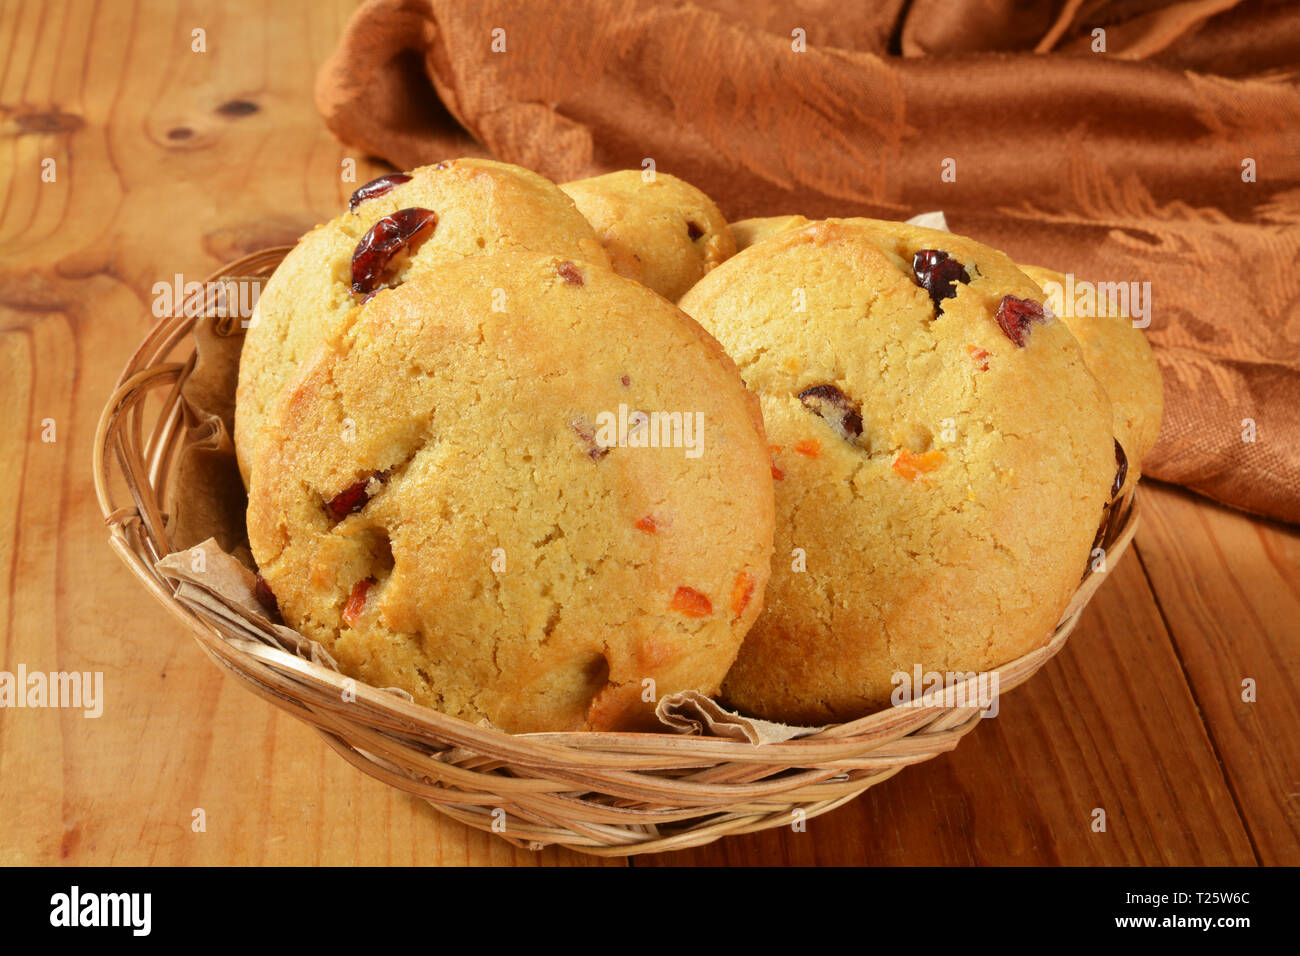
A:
[942,459]
[523,489]
[750,232]
[397,227]
[664,233]
[1118,354]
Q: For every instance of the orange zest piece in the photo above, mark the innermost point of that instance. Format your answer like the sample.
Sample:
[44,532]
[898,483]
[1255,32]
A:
[691,603]
[647,524]
[357,601]
[812,447]
[777,473]
[979,356]
[912,466]
[741,592]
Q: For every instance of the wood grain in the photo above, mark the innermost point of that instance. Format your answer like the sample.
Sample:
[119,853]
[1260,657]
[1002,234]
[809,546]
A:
[1107,724]
[158,173]
[1228,587]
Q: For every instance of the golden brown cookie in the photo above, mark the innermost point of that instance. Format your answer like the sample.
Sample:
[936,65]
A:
[1118,354]
[942,456]
[749,232]
[663,233]
[523,489]
[477,207]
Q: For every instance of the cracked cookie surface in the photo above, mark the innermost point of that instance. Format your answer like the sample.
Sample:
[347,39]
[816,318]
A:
[939,477]
[478,207]
[440,502]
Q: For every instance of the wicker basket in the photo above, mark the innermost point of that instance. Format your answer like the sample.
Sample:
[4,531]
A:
[609,794]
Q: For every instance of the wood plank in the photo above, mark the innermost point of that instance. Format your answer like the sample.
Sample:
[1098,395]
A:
[1228,586]
[104,91]
[1109,723]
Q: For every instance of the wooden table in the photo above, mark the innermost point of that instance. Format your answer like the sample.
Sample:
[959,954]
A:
[168,160]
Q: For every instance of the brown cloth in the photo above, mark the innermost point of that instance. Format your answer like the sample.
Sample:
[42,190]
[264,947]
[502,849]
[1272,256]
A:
[1130,165]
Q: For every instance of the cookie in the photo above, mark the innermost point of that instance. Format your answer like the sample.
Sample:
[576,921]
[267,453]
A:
[942,454]
[1120,358]
[478,207]
[664,233]
[749,232]
[523,489]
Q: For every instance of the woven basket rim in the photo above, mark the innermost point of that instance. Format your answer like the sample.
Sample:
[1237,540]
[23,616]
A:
[561,787]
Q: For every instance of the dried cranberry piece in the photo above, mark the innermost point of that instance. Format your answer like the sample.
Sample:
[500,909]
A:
[356,605]
[938,274]
[385,238]
[1121,470]
[569,273]
[266,597]
[376,187]
[354,497]
[834,406]
[582,428]
[1014,316]
[693,230]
